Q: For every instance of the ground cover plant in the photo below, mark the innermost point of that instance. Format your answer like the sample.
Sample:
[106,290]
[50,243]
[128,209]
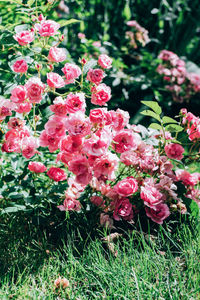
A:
[71,165]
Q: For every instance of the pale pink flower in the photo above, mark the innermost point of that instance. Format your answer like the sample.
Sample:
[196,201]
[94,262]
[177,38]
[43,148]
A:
[71,144]
[59,107]
[71,72]
[57,174]
[123,209]
[81,35]
[95,76]
[18,94]
[16,123]
[97,44]
[78,165]
[49,141]
[12,142]
[126,187]
[54,80]
[187,178]
[47,28]
[24,37]
[159,213]
[29,146]
[75,102]
[35,89]
[6,108]
[105,61]
[56,54]
[120,119]
[36,167]
[55,126]
[20,66]
[70,204]
[101,94]
[174,151]
[78,125]
[98,144]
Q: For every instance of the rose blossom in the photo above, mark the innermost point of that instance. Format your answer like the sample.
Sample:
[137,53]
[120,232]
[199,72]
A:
[36,167]
[101,94]
[106,165]
[47,28]
[18,94]
[59,107]
[71,144]
[29,146]
[123,209]
[23,107]
[97,200]
[49,141]
[71,72]
[20,66]
[174,151]
[106,221]
[150,195]
[24,37]
[126,187]
[97,115]
[159,213]
[75,102]
[95,76]
[57,174]
[78,125]
[125,140]
[56,54]
[98,143]
[78,165]
[105,61]
[187,178]
[70,204]
[35,89]
[55,81]
[16,123]
[55,126]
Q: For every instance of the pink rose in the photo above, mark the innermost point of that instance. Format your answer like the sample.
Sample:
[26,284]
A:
[95,75]
[105,61]
[71,72]
[98,201]
[18,94]
[49,141]
[75,102]
[59,107]
[71,144]
[78,165]
[20,66]
[81,35]
[36,167]
[106,165]
[35,89]
[97,115]
[23,107]
[55,126]
[47,28]
[101,94]
[125,140]
[187,178]
[150,195]
[24,37]
[159,213]
[78,125]
[16,123]
[29,146]
[98,144]
[55,81]
[56,54]
[70,204]
[174,151]
[126,187]
[123,209]
[57,174]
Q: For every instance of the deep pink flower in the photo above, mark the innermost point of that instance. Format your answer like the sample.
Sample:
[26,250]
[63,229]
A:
[49,141]
[75,102]
[174,151]
[95,76]
[20,66]
[101,94]
[123,209]
[187,178]
[159,213]
[106,165]
[18,94]
[36,167]
[57,174]
[125,140]
[59,107]
[98,201]
[126,187]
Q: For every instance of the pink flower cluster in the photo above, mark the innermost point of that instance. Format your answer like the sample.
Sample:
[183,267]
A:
[139,35]
[192,125]
[180,83]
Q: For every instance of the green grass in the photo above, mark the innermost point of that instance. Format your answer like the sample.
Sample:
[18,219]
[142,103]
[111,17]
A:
[164,265]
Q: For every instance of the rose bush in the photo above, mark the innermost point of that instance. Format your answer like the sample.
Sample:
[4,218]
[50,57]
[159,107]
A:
[75,156]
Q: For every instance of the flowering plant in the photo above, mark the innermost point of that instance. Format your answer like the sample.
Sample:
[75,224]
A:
[77,149]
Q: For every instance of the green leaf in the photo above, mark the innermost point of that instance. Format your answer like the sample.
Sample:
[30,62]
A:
[150,113]
[127,12]
[153,105]
[168,120]
[13,209]
[173,128]
[30,2]
[68,22]
[155,126]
